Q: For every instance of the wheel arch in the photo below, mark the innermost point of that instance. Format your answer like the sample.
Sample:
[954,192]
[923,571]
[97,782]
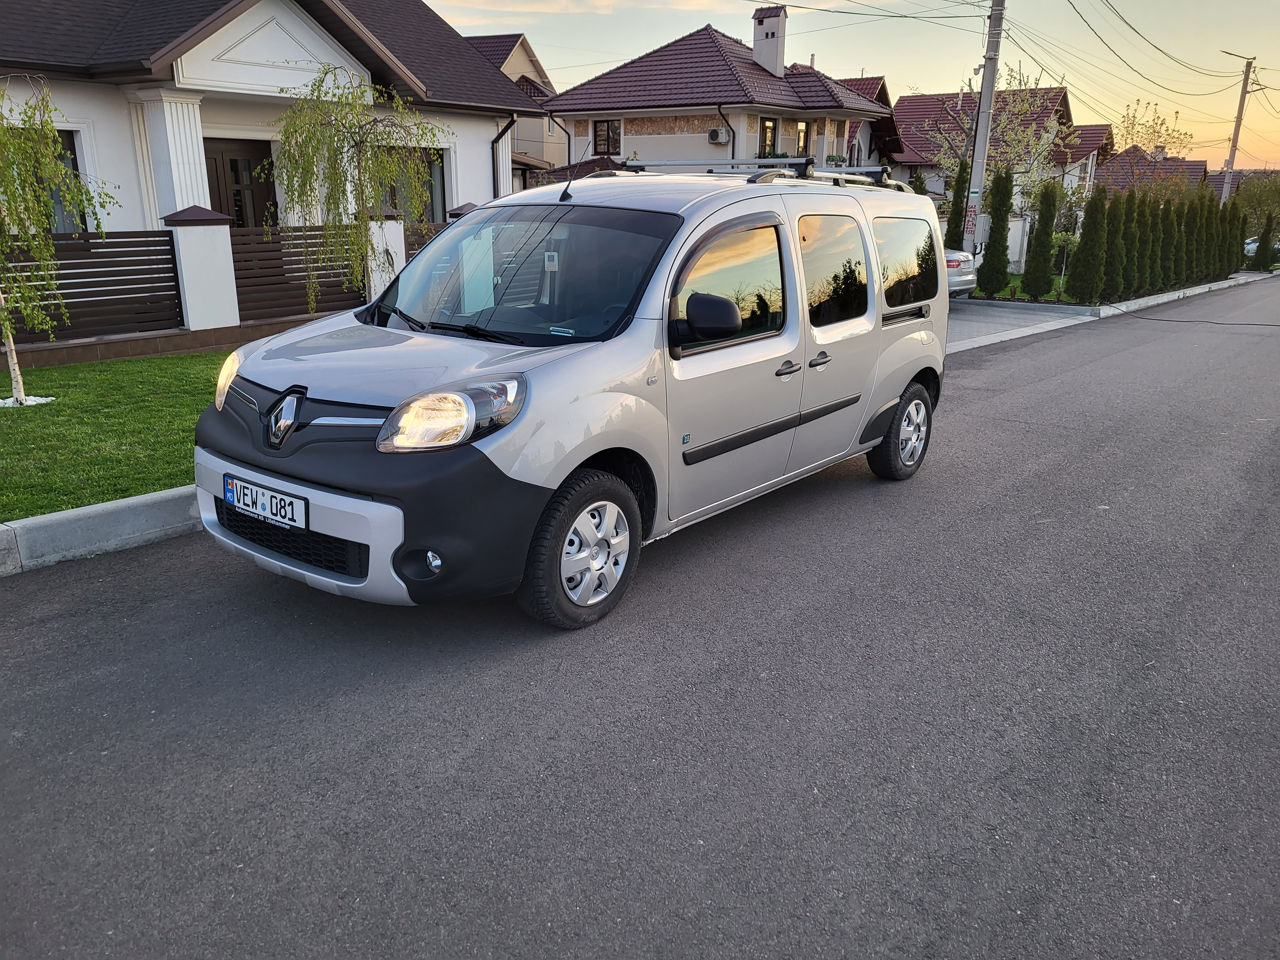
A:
[635,471]
[931,380]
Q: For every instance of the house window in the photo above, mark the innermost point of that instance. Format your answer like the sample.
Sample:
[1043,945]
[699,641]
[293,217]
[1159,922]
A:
[768,136]
[64,220]
[608,138]
[802,138]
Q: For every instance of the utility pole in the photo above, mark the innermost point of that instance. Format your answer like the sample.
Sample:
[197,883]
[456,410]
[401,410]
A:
[1235,135]
[982,126]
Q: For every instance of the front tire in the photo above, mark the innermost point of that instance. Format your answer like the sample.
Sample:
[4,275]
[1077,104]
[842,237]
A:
[906,442]
[584,553]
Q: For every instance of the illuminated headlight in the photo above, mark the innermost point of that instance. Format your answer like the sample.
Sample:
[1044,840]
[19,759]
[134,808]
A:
[447,418]
[230,367]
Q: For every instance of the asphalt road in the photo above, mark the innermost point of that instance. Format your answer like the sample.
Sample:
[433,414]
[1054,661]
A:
[1025,705]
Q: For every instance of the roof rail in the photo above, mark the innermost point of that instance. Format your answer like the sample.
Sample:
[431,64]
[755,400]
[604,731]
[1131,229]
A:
[799,166]
[770,169]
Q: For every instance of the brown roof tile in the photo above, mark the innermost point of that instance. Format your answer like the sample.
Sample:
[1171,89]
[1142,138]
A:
[496,47]
[706,68]
[919,114]
[1133,166]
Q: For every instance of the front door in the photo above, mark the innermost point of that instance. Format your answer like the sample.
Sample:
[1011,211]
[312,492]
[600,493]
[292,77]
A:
[235,186]
[732,405]
[842,338]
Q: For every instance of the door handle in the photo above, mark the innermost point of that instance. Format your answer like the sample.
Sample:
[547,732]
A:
[787,369]
[820,361]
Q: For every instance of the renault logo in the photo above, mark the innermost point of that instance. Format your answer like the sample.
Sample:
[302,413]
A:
[282,419]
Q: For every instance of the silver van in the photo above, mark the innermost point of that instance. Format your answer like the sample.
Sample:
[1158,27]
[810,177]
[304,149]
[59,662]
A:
[569,373]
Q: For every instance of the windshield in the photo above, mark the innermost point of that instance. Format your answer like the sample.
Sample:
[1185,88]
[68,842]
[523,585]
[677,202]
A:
[531,274]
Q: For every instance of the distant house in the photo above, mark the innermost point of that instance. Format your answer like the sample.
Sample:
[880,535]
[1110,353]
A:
[172,103]
[538,139]
[1238,176]
[708,98]
[934,124]
[1135,167]
[871,142]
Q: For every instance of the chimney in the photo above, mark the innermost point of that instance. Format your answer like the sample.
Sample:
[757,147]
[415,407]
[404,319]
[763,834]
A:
[811,58]
[769,47]
[1159,153]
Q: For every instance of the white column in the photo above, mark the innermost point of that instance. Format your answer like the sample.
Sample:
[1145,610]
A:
[175,143]
[502,157]
[388,255]
[206,274]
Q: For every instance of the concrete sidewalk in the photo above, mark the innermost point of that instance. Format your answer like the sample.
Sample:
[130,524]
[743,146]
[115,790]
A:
[976,323]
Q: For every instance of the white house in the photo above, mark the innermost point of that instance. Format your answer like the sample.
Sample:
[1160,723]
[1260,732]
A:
[709,98]
[537,138]
[172,102]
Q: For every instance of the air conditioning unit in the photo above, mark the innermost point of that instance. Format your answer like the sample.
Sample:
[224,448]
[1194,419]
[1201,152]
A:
[718,135]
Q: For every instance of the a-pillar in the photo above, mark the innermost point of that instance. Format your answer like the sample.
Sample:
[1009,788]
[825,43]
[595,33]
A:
[206,274]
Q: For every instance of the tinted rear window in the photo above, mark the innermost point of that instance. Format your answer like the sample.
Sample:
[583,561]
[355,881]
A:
[908,260]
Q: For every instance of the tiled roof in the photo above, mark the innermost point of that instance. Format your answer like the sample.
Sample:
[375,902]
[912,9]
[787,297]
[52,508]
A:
[102,38]
[1134,166]
[1237,177]
[708,68]
[869,87]
[764,13]
[496,47]
[580,169]
[1090,138]
[919,114]
[533,89]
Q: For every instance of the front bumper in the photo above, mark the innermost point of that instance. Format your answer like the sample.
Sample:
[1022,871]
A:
[377,526]
[455,503]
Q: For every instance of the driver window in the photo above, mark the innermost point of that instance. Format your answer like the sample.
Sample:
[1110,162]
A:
[745,267]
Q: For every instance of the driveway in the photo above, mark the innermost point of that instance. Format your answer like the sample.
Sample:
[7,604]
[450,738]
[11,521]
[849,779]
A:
[973,323]
[1024,705]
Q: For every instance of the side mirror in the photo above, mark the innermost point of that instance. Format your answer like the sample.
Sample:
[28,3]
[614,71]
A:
[712,318]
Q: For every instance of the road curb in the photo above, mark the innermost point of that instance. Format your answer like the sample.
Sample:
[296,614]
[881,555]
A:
[41,541]
[1128,306]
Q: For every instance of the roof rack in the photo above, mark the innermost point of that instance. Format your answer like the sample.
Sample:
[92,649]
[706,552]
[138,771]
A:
[770,169]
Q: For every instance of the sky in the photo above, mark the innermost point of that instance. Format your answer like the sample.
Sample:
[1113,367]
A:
[578,39]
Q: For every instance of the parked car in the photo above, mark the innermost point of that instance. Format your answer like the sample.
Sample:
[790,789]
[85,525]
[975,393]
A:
[559,378]
[962,277]
[1251,248]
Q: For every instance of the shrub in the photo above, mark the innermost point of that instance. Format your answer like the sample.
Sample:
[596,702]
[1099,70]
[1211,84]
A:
[1087,267]
[1155,252]
[1113,272]
[1182,220]
[1064,247]
[1262,256]
[1212,254]
[993,274]
[1037,275]
[1130,282]
[1169,244]
[1142,233]
[954,239]
[917,182]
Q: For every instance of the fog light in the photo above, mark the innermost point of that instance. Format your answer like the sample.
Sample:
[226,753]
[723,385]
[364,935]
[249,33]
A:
[434,563]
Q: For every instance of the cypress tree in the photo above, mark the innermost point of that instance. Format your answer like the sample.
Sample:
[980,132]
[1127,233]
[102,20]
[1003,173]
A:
[1113,273]
[1181,268]
[1242,234]
[993,273]
[1155,263]
[954,239]
[1142,230]
[1169,244]
[1087,266]
[1037,276]
[1262,256]
[1193,240]
[1211,252]
[917,182]
[1129,284]
[1230,235]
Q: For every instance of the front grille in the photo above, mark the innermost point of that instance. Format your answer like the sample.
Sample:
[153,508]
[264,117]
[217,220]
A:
[344,557]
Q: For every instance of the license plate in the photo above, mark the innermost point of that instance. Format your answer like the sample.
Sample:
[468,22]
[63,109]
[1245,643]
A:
[264,503]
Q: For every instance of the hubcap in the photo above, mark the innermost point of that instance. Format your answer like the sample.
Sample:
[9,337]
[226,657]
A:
[595,553]
[911,436]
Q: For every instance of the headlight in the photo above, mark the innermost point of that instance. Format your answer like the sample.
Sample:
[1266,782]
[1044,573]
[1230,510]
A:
[230,367]
[447,418]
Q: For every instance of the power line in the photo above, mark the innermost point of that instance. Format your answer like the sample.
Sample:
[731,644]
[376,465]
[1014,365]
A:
[1147,40]
[1181,93]
[936,20]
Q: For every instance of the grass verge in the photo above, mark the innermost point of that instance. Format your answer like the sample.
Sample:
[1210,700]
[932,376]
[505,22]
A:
[115,429]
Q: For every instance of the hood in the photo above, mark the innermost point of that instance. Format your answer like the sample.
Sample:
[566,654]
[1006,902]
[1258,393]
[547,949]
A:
[345,361]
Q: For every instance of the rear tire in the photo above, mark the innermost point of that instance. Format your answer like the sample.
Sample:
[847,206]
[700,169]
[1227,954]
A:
[584,552]
[905,443]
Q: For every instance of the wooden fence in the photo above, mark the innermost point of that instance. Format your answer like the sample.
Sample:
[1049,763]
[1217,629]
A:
[416,236]
[123,282]
[271,274]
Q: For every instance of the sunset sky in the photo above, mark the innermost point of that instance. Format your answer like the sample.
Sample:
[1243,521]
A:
[578,39]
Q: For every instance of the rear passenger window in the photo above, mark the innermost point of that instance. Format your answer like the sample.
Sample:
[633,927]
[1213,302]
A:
[835,268]
[908,260]
[745,267]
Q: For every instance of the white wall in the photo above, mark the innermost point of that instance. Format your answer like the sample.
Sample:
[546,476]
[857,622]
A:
[99,116]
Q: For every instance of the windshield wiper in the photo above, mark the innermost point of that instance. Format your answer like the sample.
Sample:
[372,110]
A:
[477,331]
[413,322]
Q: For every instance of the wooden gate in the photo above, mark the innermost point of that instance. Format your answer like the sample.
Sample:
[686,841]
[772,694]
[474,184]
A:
[271,274]
[123,282]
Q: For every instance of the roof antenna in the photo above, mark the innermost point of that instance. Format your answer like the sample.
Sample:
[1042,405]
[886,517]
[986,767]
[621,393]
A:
[565,194]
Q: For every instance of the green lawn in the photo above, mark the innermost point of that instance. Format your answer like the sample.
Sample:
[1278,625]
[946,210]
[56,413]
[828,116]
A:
[116,429]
